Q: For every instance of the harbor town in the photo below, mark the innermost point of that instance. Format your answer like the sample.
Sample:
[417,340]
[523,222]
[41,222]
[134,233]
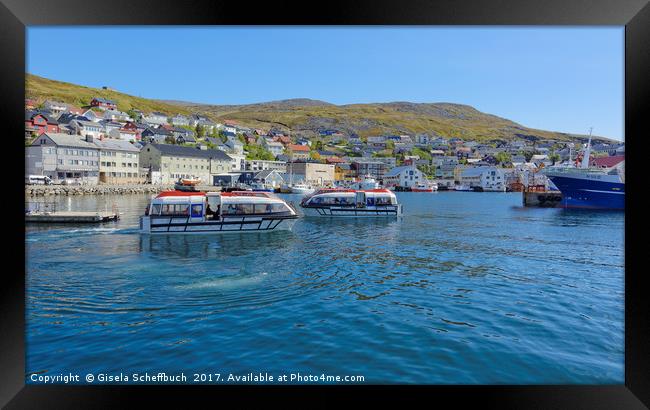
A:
[98,149]
[412,205]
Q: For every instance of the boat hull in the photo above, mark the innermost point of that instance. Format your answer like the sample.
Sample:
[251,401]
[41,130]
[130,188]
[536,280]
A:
[175,225]
[589,194]
[368,212]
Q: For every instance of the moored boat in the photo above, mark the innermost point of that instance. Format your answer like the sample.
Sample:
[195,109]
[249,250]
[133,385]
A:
[425,187]
[462,187]
[589,187]
[339,202]
[303,189]
[216,212]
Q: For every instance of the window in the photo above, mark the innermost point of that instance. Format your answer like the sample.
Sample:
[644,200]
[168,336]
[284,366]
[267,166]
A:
[197,210]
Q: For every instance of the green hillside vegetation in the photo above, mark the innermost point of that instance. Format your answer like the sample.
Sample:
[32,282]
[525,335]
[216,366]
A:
[308,117]
[41,89]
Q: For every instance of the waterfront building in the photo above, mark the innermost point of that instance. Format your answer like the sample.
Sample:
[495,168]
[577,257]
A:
[119,162]
[269,177]
[261,165]
[313,173]
[365,166]
[174,162]
[406,177]
[487,178]
[63,157]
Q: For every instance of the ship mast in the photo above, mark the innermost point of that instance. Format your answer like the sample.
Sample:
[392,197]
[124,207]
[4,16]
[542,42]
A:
[587,152]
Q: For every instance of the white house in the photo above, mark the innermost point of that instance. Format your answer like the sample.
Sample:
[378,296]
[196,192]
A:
[180,120]
[487,178]
[406,176]
[155,118]
[117,115]
[93,116]
[86,128]
[276,148]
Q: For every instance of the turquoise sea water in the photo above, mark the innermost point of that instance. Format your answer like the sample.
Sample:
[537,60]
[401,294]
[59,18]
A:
[466,288]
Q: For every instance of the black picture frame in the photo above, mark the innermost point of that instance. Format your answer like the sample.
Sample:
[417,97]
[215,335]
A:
[15,15]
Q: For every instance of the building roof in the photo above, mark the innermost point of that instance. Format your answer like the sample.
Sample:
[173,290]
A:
[476,171]
[607,162]
[265,173]
[115,144]
[296,147]
[68,140]
[398,170]
[181,151]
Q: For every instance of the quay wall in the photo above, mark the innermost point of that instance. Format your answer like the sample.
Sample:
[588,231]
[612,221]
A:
[68,190]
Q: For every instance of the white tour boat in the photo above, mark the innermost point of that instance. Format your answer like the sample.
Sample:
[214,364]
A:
[462,187]
[216,212]
[351,202]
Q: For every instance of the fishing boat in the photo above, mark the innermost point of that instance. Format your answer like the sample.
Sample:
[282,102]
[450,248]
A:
[186,184]
[425,187]
[260,187]
[588,187]
[216,212]
[337,202]
[303,189]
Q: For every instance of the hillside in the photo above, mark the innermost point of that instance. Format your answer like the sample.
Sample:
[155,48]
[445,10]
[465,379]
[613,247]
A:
[42,89]
[311,116]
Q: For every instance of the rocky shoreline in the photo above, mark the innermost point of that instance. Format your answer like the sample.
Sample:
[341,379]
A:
[50,190]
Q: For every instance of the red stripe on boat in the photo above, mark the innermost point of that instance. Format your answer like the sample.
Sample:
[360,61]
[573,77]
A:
[180,193]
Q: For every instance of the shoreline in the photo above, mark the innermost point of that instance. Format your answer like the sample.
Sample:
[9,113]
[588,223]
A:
[70,190]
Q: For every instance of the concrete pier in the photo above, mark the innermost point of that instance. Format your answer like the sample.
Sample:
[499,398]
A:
[543,199]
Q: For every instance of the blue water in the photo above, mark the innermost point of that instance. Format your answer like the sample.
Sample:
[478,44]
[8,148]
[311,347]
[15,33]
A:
[466,288]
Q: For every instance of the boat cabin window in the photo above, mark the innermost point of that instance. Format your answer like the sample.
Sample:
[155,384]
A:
[155,209]
[329,200]
[175,209]
[245,209]
[385,200]
[197,210]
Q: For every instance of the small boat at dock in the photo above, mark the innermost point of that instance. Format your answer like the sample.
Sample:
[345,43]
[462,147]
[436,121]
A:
[303,189]
[425,187]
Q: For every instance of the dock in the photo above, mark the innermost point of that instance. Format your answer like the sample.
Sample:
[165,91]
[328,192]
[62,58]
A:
[538,195]
[71,217]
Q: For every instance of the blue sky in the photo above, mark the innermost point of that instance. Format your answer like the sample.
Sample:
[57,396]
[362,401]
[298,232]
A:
[554,78]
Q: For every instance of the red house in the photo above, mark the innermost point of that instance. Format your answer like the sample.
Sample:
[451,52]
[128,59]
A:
[103,103]
[38,123]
